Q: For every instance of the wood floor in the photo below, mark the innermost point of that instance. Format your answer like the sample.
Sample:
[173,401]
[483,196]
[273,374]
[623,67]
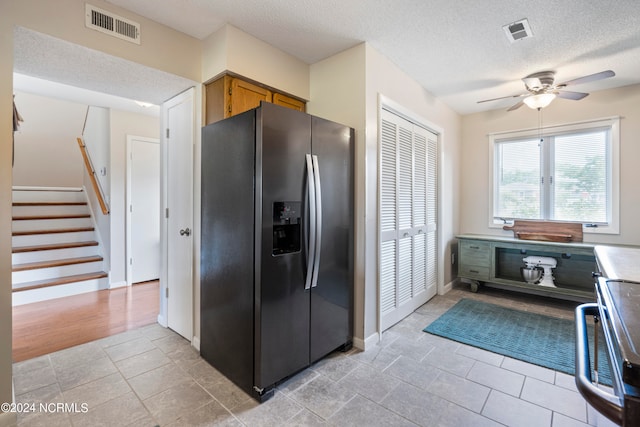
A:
[48,326]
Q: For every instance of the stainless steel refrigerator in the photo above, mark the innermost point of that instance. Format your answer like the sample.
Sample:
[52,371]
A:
[276,286]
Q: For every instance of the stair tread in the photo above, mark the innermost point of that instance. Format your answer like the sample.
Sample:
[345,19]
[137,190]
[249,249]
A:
[67,216]
[56,263]
[53,246]
[60,281]
[49,203]
[51,231]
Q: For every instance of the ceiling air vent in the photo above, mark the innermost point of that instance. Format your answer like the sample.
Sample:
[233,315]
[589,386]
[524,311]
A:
[518,30]
[114,25]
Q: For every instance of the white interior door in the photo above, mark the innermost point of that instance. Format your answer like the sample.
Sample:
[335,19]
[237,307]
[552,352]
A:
[143,209]
[177,289]
[407,215]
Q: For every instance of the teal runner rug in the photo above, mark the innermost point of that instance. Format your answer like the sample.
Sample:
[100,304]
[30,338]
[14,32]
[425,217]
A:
[535,338]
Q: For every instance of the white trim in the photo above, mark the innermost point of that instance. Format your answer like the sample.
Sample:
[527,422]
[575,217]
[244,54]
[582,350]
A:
[120,284]
[194,94]
[367,343]
[605,121]
[128,202]
[106,259]
[162,321]
[195,342]
[614,185]
[386,103]
[30,188]
[446,287]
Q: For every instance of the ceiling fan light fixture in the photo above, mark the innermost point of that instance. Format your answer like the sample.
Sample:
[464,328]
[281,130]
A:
[540,100]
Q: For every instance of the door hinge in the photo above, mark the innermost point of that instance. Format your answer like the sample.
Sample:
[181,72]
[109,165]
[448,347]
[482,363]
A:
[166,292]
[130,261]
[166,213]
[167,132]
[130,208]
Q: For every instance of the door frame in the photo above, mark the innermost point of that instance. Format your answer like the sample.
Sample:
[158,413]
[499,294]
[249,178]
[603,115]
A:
[129,201]
[405,113]
[196,93]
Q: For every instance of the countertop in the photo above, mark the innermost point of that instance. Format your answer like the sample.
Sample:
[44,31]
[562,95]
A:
[619,262]
[509,239]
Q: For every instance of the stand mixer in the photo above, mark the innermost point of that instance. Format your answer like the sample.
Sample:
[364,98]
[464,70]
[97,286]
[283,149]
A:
[534,264]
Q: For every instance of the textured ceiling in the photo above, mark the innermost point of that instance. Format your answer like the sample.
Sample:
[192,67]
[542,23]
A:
[455,48]
[48,58]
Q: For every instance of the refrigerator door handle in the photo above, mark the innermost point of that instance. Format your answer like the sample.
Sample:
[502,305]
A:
[318,242]
[311,250]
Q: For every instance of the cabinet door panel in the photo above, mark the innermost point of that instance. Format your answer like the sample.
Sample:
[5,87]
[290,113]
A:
[245,96]
[474,272]
[287,101]
[475,253]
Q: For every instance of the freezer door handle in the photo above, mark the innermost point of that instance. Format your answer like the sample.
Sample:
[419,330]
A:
[316,262]
[311,250]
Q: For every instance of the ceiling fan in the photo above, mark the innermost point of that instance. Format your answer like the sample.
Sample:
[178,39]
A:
[541,89]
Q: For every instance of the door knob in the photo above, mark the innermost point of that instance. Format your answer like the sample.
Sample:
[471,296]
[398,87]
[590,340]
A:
[185,232]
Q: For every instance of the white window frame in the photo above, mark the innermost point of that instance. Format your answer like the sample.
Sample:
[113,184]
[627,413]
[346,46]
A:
[612,123]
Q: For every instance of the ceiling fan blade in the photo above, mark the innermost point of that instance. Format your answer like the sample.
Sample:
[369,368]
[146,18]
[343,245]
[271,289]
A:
[504,97]
[516,106]
[565,94]
[590,78]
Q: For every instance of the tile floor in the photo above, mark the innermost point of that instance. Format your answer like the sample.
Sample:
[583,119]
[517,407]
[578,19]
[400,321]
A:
[150,376]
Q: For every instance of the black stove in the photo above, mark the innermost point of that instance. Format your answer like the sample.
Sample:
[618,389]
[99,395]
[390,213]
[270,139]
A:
[618,311]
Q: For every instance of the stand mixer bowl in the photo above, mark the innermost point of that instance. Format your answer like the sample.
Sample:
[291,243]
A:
[531,275]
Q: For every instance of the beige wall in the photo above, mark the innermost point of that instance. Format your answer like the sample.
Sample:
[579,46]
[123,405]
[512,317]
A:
[230,49]
[122,124]
[475,174]
[385,78]
[6,126]
[46,151]
[338,94]
[345,88]
[161,48]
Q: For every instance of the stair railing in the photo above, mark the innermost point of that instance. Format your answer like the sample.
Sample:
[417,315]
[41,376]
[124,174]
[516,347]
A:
[97,188]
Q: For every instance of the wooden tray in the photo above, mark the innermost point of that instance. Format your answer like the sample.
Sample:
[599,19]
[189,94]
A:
[546,231]
[546,237]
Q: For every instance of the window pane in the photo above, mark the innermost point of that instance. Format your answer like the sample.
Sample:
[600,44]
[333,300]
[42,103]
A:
[580,177]
[518,179]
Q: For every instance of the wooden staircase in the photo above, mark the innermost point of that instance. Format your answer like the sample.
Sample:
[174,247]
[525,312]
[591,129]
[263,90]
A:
[55,250]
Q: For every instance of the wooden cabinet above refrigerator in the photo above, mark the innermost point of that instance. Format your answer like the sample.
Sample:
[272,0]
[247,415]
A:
[230,95]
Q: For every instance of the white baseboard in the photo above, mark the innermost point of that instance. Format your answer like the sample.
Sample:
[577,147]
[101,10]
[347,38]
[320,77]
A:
[162,321]
[32,188]
[195,343]
[358,343]
[120,284]
[372,340]
[367,343]
[8,419]
[446,288]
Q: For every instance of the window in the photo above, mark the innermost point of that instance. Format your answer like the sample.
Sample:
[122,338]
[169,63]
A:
[565,173]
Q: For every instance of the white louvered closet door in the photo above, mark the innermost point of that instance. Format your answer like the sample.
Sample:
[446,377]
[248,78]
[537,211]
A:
[408,222]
